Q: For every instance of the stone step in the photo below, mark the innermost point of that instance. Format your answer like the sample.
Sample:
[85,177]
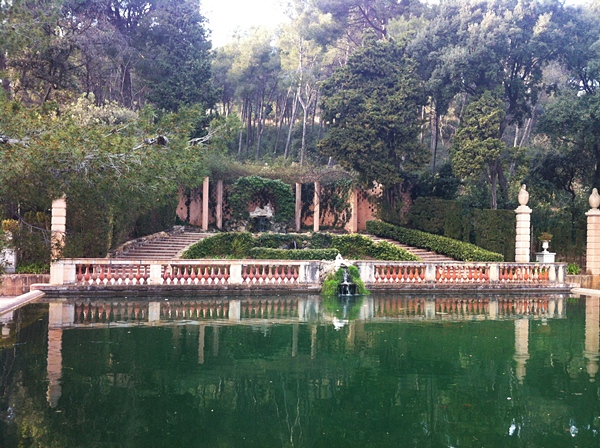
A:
[423,254]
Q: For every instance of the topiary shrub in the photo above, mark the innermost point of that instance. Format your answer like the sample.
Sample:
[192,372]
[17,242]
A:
[265,253]
[268,246]
[446,246]
[222,245]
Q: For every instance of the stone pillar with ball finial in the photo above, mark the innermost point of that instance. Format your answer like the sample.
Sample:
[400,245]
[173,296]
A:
[523,240]
[593,235]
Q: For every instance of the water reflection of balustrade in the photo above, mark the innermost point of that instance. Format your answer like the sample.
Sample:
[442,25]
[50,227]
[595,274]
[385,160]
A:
[105,311]
[270,274]
[457,308]
[399,274]
[101,274]
[269,308]
[195,310]
[196,275]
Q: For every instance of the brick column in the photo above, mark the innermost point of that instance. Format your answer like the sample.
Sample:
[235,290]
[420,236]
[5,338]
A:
[317,207]
[298,213]
[205,185]
[523,240]
[352,225]
[593,235]
[219,204]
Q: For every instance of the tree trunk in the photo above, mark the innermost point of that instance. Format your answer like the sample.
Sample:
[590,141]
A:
[435,139]
[281,118]
[126,87]
[259,128]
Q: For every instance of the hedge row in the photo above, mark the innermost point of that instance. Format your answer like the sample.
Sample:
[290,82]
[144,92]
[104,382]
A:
[266,253]
[319,246]
[440,244]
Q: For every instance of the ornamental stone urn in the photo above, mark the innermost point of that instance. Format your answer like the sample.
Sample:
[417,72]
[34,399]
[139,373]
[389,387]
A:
[594,199]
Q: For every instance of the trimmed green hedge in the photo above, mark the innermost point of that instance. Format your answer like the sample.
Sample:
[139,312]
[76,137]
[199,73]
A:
[321,246]
[266,253]
[440,244]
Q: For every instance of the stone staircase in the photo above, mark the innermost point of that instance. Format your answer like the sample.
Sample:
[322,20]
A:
[424,254]
[166,247]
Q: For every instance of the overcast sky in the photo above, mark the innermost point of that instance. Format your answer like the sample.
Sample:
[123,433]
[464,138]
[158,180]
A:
[225,17]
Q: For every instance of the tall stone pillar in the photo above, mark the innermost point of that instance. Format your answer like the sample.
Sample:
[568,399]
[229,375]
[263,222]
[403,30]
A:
[352,225]
[59,226]
[59,229]
[317,207]
[298,211]
[523,240]
[205,186]
[219,204]
[593,235]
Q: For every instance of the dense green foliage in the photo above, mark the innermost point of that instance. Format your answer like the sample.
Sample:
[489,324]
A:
[463,99]
[317,246]
[266,253]
[446,246]
[261,191]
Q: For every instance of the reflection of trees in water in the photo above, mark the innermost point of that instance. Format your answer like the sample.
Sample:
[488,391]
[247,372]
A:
[369,384]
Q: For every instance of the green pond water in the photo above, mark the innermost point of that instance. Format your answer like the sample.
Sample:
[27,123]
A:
[384,371]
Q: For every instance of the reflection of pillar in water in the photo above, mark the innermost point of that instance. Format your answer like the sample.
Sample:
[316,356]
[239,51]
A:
[4,320]
[366,310]
[215,341]
[592,335]
[429,308]
[201,329]
[153,312]
[493,310]
[351,334]
[560,306]
[313,341]
[235,310]
[59,315]
[551,307]
[521,347]
[295,329]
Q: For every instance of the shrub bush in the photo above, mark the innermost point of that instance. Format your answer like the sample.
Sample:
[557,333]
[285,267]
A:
[240,245]
[331,283]
[265,253]
[446,246]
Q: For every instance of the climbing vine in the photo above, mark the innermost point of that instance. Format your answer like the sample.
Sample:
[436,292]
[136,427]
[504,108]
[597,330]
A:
[256,189]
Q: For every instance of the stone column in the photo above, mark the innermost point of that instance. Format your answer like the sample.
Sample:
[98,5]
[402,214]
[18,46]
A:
[59,226]
[205,186]
[219,204]
[523,240]
[298,214]
[352,225]
[59,229]
[317,207]
[593,235]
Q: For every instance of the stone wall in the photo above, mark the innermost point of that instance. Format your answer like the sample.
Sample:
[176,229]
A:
[17,284]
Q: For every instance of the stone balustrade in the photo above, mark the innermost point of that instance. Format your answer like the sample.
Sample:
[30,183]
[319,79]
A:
[290,274]
[215,273]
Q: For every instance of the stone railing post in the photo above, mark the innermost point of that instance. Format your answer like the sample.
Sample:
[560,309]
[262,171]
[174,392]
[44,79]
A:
[523,239]
[366,272]
[235,274]
[155,274]
[430,269]
[494,273]
[593,235]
